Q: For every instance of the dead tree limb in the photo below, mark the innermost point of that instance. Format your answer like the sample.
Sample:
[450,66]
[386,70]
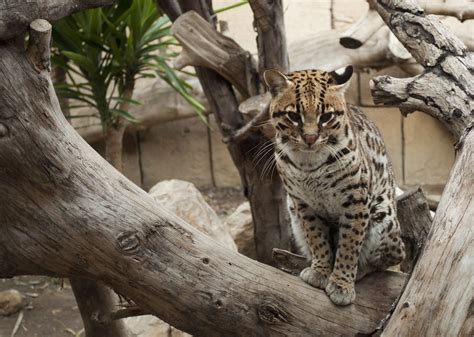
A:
[16,16]
[66,212]
[439,295]
[203,46]
[445,90]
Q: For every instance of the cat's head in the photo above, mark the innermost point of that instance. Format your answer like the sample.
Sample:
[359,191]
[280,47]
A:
[308,106]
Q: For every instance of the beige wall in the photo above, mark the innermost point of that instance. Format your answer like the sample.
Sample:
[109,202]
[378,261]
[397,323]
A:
[420,147]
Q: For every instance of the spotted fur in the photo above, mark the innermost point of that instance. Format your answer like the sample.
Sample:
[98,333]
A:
[339,179]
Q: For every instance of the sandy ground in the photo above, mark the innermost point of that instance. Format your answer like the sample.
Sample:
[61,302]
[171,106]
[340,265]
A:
[51,309]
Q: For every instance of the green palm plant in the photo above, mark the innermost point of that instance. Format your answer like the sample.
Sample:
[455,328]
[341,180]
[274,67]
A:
[104,52]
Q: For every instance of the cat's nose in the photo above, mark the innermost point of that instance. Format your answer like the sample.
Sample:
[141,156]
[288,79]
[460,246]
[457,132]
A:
[310,139]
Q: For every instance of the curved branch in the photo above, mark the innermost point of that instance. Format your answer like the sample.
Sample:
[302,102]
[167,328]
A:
[446,89]
[203,46]
[66,211]
[15,16]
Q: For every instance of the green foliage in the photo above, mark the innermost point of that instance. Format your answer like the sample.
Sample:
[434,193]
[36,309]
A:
[105,51]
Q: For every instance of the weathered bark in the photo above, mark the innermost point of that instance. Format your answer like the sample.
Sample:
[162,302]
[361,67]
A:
[439,295]
[65,212]
[203,46]
[58,76]
[415,222]
[264,191]
[445,90]
[437,300]
[271,38]
[92,298]
[16,16]
[362,30]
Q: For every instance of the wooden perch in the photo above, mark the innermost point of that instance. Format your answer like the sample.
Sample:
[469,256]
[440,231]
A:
[203,46]
[16,16]
[66,212]
[438,298]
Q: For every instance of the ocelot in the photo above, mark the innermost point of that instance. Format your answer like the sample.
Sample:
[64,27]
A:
[340,184]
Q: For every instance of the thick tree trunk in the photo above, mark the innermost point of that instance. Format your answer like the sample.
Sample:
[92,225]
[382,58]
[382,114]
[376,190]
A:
[64,212]
[439,295]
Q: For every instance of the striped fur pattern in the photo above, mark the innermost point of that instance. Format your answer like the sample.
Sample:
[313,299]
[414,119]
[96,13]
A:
[341,190]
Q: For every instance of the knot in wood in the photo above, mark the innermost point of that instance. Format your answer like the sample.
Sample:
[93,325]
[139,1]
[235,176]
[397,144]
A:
[129,242]
[271,313]
[3,130]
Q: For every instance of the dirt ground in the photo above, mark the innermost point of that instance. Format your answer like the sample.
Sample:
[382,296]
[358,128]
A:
[51,309]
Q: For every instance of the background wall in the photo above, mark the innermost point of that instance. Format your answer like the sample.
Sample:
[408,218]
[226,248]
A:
[420,147]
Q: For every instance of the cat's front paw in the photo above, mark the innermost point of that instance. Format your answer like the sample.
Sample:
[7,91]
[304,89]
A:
[340,292]
[314,277]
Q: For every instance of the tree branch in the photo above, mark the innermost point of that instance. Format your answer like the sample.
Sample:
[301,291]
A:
[39,49]
[449,68]
[364,28]
[15,16]
[203,46]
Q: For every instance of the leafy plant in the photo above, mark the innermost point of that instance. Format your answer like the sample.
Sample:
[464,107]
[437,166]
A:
[105,51]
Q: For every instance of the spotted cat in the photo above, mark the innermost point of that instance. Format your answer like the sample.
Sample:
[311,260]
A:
[341,190]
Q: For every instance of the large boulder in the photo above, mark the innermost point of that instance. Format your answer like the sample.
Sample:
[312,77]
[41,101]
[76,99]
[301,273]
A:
[184,199]
[240,225]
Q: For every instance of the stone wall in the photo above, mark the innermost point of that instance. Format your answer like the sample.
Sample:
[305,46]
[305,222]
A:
[420,148]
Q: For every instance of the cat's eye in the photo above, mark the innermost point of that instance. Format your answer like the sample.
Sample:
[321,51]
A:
[294,117]
[326,118]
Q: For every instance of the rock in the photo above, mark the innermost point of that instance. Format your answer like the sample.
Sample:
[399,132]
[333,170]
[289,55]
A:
[241,228]
[11,302]
[184,199]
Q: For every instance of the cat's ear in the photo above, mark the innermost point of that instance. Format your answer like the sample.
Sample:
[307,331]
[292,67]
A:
[275,81]
[340,78]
